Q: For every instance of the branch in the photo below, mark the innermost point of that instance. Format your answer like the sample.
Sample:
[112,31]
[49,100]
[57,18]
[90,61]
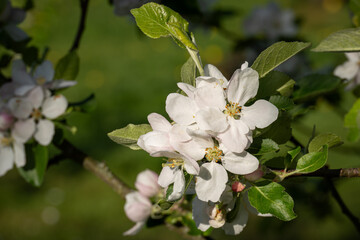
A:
[328,173]
[355,221]
[84,7]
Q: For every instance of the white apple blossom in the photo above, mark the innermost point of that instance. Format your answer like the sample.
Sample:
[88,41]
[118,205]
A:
[146,183]
[350,70]
[9,18]
[43,76]
[35,112]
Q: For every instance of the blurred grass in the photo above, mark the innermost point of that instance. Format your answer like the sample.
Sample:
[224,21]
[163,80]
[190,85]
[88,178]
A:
[131,76]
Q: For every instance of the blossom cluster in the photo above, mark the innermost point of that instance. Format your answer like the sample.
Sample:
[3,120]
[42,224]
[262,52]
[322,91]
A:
[27,108]
[208,138]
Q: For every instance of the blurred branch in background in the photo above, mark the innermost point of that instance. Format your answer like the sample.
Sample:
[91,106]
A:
[84,7]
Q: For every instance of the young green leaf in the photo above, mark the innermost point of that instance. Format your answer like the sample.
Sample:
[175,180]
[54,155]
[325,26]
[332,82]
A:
[157,21]
[346,40]
[292,154]
[276,54]
[320,140]
[68,66]
[273,199]
[352,121]
[312,161]
[282,102]
[36,164]
[188,72]
[267,146]
[129,135]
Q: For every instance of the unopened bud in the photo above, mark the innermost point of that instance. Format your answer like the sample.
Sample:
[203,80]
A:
[237,187]
[6,120]
[256,175]
[147,183]
[137,207]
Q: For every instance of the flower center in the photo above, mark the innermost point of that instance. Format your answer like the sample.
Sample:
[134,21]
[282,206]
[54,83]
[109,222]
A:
[36,114]
[173,163]
[6,141]
[41,81]
[233,110]
[213,154]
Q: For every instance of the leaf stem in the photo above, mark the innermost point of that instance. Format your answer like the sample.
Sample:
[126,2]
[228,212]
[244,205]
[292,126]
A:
[196,57]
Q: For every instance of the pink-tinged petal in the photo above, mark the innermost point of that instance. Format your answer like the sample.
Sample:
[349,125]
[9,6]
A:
[240,163]
[19,74]
[54,106]
[59,84]
[146,183]
[211,95]
[211,182]
[178,134]
[238,224]
[44,70]
[179,186]
[7,159]
[347,70]
[212,71]
[261,114]
[187,89]
[155,143]
[36,97]
[181,109]
[235,137]
[19,154]
[200,214]
[135,229]
[6,120]
[243,85]
[191,167]
[23,130]
[137,207]
[353,56]
[158,122]
[211,119]
[20,107]
[45,131]
[166,177]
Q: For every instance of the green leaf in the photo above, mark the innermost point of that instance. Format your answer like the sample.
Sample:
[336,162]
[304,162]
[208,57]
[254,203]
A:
[346,40]
[68,66]
[129,135]
[292,154]
[36,164]
[188,72]
[273,199]
[267,146]
[280,130]
[320,140]
[352,121]
[276,54]
[314,85]
[165,205]
[273,83]
[312,161]
[282,102]
[157,21]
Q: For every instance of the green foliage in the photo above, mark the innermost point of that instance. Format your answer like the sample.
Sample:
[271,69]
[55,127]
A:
[282,102]
[157,21]
[315,85]
[352,121]
[129,135]
[280,130]
[164,205]
[312,161]
[346,40]
[264,146]
[68,66]
[36,164]
[274,83]
[292,154]
[276,54]
[320,140]
[188,72]
[272,198]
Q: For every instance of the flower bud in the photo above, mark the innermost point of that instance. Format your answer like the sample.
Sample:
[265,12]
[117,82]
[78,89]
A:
[237,187]
[137,207]
[6,120]
[147,183]
[256,175]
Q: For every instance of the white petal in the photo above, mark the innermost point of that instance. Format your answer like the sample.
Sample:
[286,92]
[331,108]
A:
[155,143]
[261,114]
[20,107]
[243,85]
[211,95]
[158,122]
[19,74]
[58,84]
[146,183]
[347,70]
[238,224]
[45,70]
[211,119]
[36,97]
[200,215]
[166,177]
[191,167]
[179,186]
[137,207]
[54,106]
[178,134]
[23,130]
[211,182]
[181,109]
[6,159]
[19,154]
[235,137]
[135,229]
[241,163]
[201,138]
[45,131]
[189,149]
[353,56]
[212,71]
[187,88]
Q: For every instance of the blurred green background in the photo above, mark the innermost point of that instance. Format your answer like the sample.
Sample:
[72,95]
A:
[131,76]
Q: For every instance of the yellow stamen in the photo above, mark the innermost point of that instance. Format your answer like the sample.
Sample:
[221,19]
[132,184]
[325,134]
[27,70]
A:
[40,80]
[233,110]
[213,154]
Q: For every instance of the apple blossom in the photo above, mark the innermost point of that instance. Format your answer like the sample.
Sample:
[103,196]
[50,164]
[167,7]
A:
[6,120]
[350,70]
[146,183]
